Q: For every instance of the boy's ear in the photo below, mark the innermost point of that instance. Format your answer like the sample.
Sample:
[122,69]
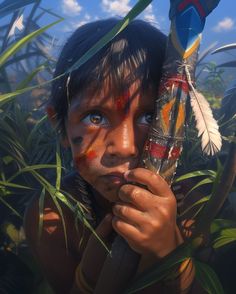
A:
[51,113]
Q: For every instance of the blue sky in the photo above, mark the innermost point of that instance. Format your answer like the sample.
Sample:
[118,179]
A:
[220,26]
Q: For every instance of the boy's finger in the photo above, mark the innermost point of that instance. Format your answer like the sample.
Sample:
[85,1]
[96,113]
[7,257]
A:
[129,213]
[137,196]
[154,182]
[126,230]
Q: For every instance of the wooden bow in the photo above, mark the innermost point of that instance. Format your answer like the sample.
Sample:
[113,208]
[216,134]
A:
[164,144]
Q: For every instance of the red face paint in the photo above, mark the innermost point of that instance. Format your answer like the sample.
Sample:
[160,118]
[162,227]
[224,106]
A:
[91,155]
[82,159]
[123,103]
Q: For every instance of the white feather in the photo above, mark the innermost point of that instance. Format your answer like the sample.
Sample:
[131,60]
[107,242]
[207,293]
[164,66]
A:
[207,126]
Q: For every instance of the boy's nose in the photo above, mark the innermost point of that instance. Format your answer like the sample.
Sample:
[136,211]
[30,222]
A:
[122,141]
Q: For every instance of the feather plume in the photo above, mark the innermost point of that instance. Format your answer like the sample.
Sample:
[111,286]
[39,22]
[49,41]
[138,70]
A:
[207,126]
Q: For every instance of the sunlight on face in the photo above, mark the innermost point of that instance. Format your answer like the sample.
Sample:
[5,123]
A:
[107,137]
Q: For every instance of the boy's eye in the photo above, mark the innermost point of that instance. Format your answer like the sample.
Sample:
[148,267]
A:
[146,118]
[94,118]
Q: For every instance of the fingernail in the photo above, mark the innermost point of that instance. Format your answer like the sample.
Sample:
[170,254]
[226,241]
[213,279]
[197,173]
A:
[126,174]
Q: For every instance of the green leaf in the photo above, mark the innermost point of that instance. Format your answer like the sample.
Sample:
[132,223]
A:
[12,185]
[220,242]
[138,8]
[228,64]
[207,278]
[161,269]
[10,6]
[201,183]
[30,77]
[22,42]
[35,129]
[225,48]
[58,163]
[31,168]
[41,213]
[218,224]
[10,207]
[198,173]
[225,236]
[4,98]
[7,159]
[200,201]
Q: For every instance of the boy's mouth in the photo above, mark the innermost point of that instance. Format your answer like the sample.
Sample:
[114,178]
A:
[115,178]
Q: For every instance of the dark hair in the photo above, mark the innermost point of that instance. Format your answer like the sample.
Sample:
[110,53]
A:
[136,53]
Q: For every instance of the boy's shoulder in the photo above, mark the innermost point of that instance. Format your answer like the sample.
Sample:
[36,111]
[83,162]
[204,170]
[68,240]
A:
[61,242]
[50,225]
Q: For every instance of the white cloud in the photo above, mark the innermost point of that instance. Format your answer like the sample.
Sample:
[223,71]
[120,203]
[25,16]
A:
[73,25]
[150,16]
[71,7]
[116,7]
[226,24]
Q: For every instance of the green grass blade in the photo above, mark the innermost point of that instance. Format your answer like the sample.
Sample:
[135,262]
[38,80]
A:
[79,215]
[58,164]
[10,6]
[208,278]
[30,77]
[35,129]
[138,8]
[201,201]
[160,270]
[32,168]
[220,242]
[199,184]
[12,185]
[219,224]
[135,11]
[10,51]
[62,219]
[41,213]
[197,173]
[10,207]
[7,97]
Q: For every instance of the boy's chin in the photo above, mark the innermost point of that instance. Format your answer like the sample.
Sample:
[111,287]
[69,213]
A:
[110,193]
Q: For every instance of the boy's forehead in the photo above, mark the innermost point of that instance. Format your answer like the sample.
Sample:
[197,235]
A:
[108,99]
[106,95]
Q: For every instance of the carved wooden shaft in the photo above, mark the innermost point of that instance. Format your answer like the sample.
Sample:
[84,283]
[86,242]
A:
[164,144]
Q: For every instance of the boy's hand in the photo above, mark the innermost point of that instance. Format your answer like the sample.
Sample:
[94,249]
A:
[146,217]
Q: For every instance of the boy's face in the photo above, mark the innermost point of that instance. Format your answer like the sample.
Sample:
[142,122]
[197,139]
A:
[107,136]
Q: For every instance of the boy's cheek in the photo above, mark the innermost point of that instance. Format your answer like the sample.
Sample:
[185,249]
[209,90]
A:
[83,160]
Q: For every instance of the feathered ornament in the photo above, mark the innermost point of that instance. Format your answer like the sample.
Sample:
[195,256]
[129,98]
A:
[207,126]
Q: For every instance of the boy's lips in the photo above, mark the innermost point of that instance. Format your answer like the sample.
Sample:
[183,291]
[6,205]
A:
[116,178]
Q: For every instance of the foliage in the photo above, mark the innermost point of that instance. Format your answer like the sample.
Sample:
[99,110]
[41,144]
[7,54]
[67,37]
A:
[30,160]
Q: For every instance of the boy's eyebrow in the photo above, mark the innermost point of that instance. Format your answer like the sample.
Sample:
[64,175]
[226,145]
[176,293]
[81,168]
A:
[81,104]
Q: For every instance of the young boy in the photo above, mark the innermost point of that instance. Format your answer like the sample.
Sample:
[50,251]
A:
[103,112]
